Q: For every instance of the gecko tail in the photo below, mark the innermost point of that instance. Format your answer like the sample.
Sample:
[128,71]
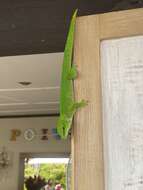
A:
[75,13]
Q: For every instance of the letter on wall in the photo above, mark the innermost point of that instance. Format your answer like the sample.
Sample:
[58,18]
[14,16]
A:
[14,134]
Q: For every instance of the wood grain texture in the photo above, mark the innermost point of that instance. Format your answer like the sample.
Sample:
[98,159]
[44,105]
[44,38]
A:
[122,74]
[121,24]
[88,161]
[88,154]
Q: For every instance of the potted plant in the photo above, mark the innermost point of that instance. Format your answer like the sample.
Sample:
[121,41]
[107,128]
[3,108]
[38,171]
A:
[34,183]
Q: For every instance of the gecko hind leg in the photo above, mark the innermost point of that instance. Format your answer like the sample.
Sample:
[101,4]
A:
[72,73]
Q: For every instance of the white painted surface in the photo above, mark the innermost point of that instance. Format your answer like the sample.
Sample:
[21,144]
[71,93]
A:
[42,95]
[122,81]
[22,146]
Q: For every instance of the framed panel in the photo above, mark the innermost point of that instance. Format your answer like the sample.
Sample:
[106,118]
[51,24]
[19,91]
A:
[88,158]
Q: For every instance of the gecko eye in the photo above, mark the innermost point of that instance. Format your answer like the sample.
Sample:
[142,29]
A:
[63,130]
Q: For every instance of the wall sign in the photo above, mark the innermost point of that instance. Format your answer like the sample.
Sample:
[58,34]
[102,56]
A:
[30,134]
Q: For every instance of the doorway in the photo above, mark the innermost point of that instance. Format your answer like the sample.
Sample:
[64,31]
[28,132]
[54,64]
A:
[42,170]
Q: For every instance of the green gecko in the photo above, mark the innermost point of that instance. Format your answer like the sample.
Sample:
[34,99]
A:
[68,106]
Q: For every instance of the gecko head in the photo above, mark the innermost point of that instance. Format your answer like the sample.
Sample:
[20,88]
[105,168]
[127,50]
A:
[63,127]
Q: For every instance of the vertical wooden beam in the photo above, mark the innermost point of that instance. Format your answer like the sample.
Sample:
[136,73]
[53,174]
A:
[87,135]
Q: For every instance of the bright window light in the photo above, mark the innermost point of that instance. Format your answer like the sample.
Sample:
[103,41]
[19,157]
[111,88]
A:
[48,160]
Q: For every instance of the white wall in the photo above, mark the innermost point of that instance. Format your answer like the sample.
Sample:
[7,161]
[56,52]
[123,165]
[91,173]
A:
[22,146]
[122,81]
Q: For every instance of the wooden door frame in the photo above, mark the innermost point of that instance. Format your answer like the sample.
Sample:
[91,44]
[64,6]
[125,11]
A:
[87,139]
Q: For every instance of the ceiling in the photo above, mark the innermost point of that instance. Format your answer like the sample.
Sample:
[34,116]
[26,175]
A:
[40,26]
[41,97]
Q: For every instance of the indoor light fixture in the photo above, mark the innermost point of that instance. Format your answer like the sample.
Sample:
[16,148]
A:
[4,158]
[25,83]
[5,165]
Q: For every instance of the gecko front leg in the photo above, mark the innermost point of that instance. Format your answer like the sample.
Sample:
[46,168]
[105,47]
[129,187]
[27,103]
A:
[72,73]
[78,105]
